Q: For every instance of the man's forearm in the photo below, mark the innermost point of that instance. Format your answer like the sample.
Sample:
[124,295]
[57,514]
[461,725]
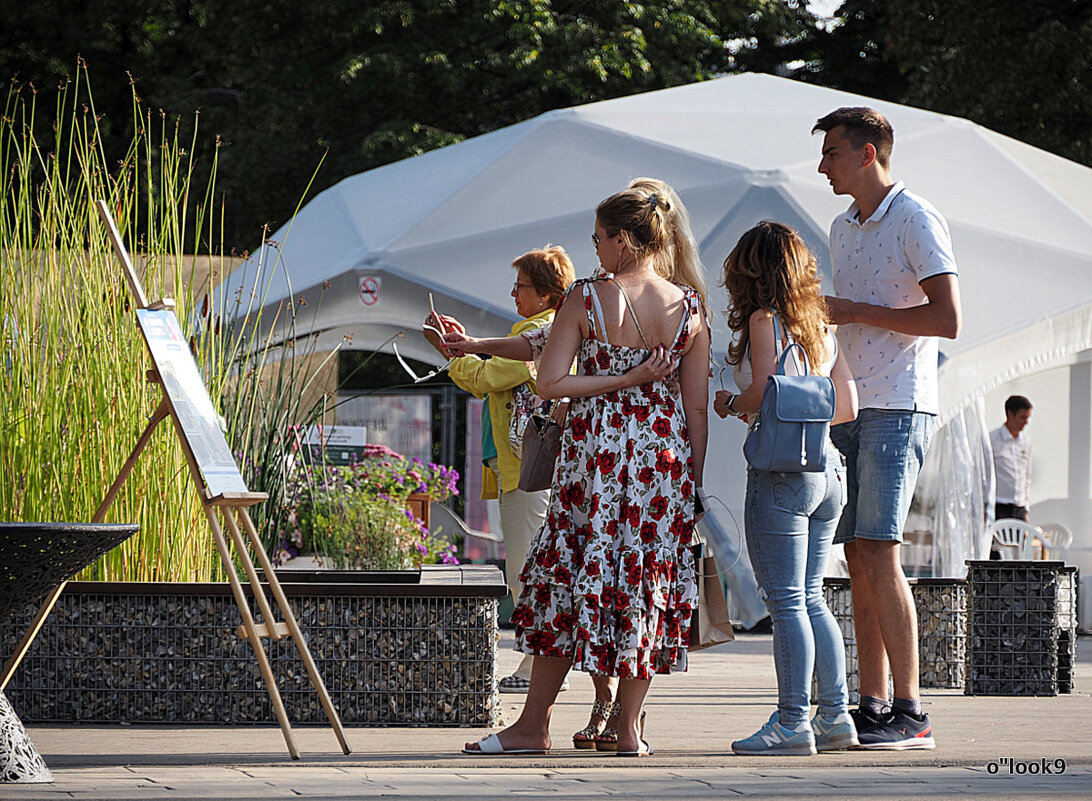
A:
[927,320]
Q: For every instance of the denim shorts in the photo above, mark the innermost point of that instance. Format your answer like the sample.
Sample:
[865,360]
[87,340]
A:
[884,450]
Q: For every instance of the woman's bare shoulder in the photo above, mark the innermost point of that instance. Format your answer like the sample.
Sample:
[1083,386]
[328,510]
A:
[761,319]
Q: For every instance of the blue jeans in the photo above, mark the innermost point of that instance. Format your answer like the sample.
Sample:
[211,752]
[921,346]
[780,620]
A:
[884,450]
[790,520]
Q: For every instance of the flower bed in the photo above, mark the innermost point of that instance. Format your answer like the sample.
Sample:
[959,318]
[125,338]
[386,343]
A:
[370,515]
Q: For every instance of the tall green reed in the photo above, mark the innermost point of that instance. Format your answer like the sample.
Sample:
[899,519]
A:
[74,397]
[73,393]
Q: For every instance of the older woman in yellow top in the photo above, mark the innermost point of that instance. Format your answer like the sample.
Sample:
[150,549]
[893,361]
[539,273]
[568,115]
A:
[542,276]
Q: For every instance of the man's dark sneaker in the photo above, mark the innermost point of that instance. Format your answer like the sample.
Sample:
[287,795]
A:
[898,731]
[864,719]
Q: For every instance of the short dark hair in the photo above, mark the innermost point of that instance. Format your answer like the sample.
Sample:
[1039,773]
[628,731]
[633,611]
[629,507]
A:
[1016,403]
[863,126]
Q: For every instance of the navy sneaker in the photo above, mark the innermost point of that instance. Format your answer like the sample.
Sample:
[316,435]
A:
[863,718]
[898,731]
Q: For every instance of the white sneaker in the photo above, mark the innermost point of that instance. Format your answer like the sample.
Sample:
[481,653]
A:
[773,739]
[834,734]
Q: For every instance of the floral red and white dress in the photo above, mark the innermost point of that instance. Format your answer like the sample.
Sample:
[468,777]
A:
[609,579]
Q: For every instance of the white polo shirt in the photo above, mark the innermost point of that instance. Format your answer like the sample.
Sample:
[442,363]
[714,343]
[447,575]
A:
[883,261]
[1011,466]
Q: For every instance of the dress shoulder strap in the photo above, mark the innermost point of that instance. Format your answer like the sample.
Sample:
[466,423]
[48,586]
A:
[694,306]
[632,313]
[596,322]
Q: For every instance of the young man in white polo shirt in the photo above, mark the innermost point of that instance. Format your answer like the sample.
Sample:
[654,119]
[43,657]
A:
[896,292]
[1012,460]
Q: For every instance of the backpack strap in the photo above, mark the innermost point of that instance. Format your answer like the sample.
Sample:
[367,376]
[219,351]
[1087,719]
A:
[803,368]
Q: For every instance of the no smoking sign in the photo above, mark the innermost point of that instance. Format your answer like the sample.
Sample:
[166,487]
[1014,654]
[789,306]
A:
[371,287]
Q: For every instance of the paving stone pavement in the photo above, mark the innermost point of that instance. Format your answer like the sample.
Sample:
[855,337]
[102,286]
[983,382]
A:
[692,719]
[241,783]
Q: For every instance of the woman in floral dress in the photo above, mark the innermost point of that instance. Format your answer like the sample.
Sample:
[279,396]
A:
[609,581]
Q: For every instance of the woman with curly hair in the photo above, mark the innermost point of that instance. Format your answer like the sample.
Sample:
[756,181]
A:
[773,282]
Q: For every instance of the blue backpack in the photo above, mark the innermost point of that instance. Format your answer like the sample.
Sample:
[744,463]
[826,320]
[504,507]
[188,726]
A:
[790,433]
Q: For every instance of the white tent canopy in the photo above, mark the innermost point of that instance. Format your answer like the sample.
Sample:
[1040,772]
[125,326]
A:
[737,150]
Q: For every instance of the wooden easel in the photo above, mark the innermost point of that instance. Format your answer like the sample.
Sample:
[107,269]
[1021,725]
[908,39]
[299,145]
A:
[222,490]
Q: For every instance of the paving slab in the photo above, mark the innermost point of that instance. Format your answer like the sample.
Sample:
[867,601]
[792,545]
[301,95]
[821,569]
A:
[729,691]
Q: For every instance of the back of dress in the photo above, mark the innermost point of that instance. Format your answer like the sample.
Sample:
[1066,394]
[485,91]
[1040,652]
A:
[610,578]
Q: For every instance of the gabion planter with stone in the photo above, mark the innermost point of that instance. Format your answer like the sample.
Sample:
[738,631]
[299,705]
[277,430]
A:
[1022,617]
[1067,627]
[942,630]
[392,653]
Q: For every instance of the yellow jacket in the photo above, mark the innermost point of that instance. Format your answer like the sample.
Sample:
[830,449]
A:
[497,378]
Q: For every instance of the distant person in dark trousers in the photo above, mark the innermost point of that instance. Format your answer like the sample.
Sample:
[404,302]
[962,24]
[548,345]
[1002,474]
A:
[896,293]
[1011,447]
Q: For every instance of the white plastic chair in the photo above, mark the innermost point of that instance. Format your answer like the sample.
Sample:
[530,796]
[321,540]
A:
[1056,540]
[1013,538]
[917,553]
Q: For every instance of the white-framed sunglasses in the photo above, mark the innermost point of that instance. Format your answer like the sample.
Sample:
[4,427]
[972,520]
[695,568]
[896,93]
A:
[417,379]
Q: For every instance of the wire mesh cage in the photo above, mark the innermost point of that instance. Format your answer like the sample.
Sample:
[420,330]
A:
[1022,619]
[942,630]
[141,658]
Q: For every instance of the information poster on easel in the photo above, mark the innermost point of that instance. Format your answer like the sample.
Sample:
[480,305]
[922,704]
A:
[221,487]
[190,399]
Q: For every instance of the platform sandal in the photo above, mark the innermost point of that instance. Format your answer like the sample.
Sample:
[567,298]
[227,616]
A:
[586,737]
[607,740]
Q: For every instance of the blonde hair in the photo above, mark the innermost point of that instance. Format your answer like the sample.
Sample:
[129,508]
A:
[771,268]
[549,269]
[652,221]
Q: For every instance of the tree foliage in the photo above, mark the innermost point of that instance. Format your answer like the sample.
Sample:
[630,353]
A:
[283,82]
[1023,69]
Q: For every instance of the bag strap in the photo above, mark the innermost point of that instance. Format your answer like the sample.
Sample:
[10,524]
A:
[789,347]
[548,414]
[632,313]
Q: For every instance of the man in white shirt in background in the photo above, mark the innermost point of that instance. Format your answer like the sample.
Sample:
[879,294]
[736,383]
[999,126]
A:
[1012,461]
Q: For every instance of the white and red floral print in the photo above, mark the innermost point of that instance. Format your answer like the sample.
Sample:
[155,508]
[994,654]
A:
[609,580]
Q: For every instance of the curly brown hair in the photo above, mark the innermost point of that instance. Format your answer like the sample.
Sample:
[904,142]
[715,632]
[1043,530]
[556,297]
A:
[771,268]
